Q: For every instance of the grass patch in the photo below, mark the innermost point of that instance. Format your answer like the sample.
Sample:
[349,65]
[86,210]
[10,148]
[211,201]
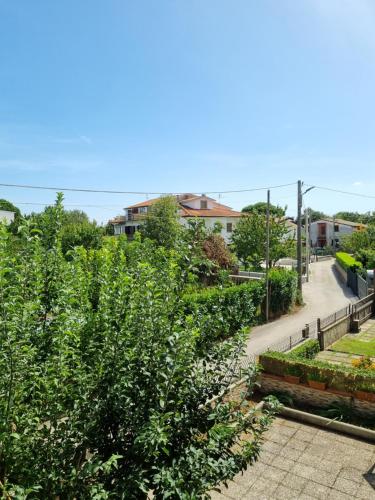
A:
[355,346]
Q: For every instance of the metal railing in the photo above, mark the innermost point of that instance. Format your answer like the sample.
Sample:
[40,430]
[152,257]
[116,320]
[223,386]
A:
[336,316]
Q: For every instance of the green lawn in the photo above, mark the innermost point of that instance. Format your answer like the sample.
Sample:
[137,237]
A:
[355,346]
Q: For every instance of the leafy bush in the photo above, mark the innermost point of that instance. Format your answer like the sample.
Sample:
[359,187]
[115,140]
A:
[102,390]
[308,350]
[344,378]
[366,257]
[223,311]
[347,261]
[283,290]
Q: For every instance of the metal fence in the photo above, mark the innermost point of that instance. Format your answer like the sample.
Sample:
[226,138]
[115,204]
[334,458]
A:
[311,330]
[336,316]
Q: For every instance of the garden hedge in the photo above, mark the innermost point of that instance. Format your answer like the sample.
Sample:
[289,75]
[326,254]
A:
[347,261]
[308,350]
[224,311]
[343,378]
[283,290]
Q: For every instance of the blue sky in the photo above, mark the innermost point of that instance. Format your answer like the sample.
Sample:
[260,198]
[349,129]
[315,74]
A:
[187,95]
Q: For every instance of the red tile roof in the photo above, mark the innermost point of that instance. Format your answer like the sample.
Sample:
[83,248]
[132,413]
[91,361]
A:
[218,209]
[209,212]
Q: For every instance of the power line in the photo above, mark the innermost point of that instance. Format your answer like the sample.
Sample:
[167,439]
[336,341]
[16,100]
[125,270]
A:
[145,193]
[342,192]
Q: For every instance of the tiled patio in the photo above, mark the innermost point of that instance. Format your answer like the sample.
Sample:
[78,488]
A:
[299,461]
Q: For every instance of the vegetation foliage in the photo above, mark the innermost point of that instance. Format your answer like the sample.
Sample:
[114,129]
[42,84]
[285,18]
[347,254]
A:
[340,377]
[347,261]
[103,381]
[250,237]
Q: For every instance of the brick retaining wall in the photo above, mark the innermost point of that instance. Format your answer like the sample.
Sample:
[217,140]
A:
[306,395]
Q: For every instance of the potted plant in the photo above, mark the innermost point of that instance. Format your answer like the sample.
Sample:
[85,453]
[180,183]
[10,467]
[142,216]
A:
[316,380]
[365,393]
[293,374]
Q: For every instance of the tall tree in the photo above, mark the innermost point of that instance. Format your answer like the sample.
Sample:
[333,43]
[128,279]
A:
[261,208]
[316,215]
[250,237]
[161,222]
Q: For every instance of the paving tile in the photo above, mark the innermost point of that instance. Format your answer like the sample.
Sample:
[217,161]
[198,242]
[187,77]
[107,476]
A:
[294,482]
[351,473]
[285,493]
[346,486]
[266,457]
[262,486]
[365,492]
[283,463]
[274,474]
[316,490]
[234,490]
[338,495]
[272,447]
[247,478]
[276,437]
[297,445]
[302,435]
[291,423]
[291,453]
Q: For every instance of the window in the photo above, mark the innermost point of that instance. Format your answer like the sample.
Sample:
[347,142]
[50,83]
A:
[337,228]
[229,227]
[142,210]
[203,204]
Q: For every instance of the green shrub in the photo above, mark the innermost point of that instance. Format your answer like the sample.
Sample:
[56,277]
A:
[224,311]
[283,290]
[308,350]
[347,261]
[344,378]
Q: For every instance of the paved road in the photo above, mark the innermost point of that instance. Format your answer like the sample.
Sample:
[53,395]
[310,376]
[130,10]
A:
[323,295]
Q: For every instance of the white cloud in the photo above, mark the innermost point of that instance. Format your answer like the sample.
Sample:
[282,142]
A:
[358,183]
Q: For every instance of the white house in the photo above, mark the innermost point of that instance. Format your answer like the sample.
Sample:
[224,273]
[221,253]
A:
[329,232]
[189,207]
[6,217]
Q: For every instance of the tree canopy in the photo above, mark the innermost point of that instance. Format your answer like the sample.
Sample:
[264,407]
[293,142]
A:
[261,208]
[250,236]
[161,222]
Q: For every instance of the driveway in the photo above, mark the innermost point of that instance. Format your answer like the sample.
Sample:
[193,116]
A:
[323,295]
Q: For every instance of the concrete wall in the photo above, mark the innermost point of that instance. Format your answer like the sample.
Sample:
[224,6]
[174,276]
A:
[321,399]
[341,272]
[6,216]
[334,332]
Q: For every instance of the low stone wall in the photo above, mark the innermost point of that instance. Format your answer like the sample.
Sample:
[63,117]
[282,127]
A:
[304,394]
[341,272]
[334,332]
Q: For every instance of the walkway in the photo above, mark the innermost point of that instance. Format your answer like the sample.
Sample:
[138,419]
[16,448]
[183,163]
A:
[324,294]
[302,462]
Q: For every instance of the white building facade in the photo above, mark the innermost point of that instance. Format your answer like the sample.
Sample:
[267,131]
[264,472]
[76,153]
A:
[190,206]
[6,217]
[329,232]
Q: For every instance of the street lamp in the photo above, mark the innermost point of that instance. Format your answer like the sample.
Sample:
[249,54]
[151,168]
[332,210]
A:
[299,234]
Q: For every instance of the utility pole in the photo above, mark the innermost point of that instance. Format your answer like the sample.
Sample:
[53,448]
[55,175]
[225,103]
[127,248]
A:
[307,233]
[299,236]
[267,256]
